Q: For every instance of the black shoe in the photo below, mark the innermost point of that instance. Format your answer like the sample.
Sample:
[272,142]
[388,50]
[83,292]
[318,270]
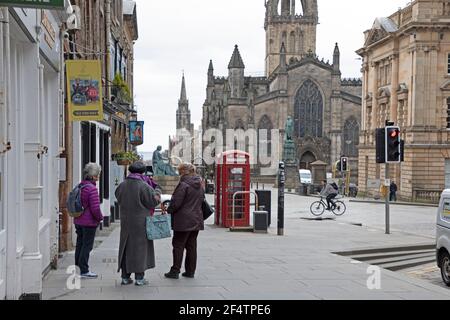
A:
[188,275]
[172,275]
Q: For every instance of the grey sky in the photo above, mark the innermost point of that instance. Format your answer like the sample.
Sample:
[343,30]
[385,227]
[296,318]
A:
[184,35]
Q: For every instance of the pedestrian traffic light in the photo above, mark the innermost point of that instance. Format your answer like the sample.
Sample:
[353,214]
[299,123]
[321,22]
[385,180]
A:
[344,164]
[381,145]
[393,145]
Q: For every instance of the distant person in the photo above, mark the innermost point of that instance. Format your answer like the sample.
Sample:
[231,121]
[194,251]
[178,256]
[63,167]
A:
[86,225]
[187,221]
[393,192]
[330,191]
[137,199]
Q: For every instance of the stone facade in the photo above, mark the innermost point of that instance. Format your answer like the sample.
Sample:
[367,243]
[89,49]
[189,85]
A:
[406,66]
[326,108]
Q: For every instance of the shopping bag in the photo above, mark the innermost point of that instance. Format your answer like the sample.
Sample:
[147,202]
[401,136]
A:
[207,210]
[158,227]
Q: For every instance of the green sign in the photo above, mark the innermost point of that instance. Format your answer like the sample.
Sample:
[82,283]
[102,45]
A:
[42,4]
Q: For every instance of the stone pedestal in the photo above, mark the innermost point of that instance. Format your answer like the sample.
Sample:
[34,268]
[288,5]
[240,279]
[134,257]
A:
[292,177]
[319,172]
[289,151]
[167,183]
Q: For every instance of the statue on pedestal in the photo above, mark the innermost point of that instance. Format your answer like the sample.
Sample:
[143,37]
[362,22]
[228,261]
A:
[161,166]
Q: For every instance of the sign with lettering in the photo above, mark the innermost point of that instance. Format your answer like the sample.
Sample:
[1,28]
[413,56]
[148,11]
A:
[84,79]
[50,33]
[373,184]
[41,4]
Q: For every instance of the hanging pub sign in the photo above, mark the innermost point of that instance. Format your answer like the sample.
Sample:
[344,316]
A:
[136,132]
[39,4]
[84,95]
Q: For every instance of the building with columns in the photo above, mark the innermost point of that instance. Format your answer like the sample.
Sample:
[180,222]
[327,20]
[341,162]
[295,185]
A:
[326,108]
[406,67]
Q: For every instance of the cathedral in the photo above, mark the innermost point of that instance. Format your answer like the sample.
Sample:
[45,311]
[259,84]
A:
[326,109]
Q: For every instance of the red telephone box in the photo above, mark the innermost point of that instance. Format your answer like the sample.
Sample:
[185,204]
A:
[233,175]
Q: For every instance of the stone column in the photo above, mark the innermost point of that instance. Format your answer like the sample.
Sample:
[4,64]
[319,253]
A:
[394,87]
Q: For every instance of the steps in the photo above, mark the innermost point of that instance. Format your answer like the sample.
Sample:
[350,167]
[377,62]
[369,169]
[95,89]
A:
[395,258]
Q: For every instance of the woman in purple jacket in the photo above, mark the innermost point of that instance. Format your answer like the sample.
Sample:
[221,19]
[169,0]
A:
[86,225]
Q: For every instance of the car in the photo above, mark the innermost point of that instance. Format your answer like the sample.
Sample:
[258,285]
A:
[443,237]
[165,200]
[305,176]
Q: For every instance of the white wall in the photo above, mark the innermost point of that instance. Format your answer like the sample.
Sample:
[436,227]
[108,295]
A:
[31,202]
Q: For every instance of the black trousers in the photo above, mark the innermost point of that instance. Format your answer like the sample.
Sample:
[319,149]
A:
[85,244]
[393,196]
[180,242]
[125,273]
[330,201]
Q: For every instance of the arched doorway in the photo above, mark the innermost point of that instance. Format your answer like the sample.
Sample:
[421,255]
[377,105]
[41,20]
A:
[306,160]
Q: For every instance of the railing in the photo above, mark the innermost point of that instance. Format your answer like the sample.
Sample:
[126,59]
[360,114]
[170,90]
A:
[427,196]
[406,15]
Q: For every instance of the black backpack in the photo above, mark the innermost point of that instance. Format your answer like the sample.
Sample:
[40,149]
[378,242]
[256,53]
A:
[335,186]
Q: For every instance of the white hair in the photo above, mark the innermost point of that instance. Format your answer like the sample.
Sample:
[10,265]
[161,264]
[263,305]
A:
[91,170]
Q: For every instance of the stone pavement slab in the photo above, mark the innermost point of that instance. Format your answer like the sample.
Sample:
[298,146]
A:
[298,266]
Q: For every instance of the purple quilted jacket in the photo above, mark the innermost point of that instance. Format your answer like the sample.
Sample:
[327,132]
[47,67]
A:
[90,199]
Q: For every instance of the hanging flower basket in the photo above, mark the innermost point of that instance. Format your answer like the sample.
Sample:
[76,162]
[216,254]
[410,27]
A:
[123,162]
[126,158]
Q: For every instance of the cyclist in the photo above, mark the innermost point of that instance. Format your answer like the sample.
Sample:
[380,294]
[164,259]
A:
[330,191]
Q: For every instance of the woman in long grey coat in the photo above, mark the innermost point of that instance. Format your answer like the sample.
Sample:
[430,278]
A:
[136,199]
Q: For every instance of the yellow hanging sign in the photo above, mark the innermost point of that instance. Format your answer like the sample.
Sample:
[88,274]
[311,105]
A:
[84,94]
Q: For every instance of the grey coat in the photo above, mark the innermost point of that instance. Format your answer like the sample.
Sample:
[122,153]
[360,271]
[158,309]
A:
[136,199]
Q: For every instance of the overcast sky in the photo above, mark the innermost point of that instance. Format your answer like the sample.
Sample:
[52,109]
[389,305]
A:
[179,35]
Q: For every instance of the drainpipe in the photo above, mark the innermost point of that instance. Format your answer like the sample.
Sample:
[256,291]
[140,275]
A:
[108,49]
[11,198]
[65,235]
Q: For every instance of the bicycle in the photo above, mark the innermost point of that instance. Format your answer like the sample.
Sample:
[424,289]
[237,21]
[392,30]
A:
[318,207]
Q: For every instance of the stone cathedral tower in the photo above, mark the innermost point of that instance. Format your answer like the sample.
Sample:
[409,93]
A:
[294,23]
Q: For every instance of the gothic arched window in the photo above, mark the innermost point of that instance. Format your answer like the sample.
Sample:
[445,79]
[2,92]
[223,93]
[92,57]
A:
[351,137]
[265,138]
[292,43]
[309,110]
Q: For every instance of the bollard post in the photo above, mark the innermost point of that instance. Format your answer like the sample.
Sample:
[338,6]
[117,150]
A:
[281,184]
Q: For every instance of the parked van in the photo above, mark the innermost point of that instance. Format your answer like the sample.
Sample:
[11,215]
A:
[305,176]
[443,236]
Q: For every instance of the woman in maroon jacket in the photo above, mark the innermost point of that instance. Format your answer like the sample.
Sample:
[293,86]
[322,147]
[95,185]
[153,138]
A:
[86,225]
[187,220]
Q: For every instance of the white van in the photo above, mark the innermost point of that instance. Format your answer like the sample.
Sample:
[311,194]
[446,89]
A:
[305,176]
[443,236]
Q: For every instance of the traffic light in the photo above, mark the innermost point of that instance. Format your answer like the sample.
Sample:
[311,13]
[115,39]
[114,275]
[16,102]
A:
[344,164]
[381,145]
[393,145]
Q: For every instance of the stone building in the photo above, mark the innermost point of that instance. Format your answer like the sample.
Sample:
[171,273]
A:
[326,108]
[107,32]
[406,66]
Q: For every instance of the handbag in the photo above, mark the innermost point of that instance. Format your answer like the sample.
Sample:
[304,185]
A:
[158,227]
[207,210]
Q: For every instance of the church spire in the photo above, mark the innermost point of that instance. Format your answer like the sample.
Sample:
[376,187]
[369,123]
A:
[236,61]
[336,59]
[183,95]
[211,74]
[183,112]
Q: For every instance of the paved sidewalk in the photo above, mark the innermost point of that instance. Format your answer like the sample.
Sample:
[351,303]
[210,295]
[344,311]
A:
[298,266]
